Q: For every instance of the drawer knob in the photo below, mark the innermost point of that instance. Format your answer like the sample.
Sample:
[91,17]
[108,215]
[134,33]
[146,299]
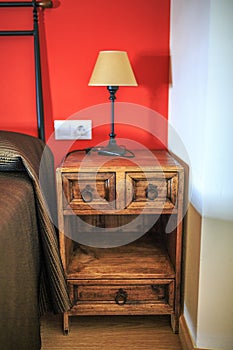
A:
[151,192]
[121,297]
[87,194]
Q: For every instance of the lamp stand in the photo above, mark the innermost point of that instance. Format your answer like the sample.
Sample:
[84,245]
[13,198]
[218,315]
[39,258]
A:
[112,148]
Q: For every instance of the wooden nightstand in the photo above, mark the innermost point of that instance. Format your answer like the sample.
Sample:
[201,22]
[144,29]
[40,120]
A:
[120,233]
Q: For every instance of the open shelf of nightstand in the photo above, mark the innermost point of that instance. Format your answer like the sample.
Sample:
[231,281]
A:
[144,258]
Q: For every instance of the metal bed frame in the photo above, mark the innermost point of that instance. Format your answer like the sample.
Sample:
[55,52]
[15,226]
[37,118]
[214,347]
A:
[35,33]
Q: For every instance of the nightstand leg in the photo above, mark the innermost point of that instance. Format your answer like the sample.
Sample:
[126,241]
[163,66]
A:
[175,324]
[66,328]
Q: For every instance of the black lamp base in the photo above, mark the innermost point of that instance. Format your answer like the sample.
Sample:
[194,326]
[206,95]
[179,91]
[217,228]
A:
[112,149]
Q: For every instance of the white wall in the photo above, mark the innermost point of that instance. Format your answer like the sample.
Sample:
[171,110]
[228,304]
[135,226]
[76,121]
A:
[201,102]
[187,100]
[217,185]
[201,108]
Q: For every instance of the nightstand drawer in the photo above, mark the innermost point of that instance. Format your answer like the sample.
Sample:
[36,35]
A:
[151,190]
[87,191]
[159,292]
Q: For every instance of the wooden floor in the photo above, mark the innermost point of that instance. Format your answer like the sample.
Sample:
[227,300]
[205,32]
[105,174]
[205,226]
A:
[109,333]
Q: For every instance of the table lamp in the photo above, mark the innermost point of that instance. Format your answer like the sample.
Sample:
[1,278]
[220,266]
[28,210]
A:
[112,69]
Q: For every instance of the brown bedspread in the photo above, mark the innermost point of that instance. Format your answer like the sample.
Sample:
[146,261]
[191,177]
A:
[19,264]
[38,162]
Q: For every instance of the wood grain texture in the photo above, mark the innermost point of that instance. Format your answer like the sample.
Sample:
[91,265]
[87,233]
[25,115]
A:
[161,161]
[95,192]
[105,333]
[108,177]
[140,259]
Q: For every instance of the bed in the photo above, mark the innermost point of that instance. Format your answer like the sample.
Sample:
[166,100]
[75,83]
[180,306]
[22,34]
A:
[32,279]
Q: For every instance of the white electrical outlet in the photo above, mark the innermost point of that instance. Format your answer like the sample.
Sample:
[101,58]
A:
[73,129]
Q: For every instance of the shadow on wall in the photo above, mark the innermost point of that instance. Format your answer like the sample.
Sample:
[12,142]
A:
[56,3]
[153,74]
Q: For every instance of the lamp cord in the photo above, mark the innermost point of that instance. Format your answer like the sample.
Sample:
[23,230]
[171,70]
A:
[128,154]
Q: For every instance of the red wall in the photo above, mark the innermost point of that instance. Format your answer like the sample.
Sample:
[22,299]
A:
[72,34]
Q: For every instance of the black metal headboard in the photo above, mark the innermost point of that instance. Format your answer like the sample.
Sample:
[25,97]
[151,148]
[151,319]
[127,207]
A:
[35,33]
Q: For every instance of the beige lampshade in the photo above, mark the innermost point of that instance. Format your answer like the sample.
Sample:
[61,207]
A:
[112,68]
